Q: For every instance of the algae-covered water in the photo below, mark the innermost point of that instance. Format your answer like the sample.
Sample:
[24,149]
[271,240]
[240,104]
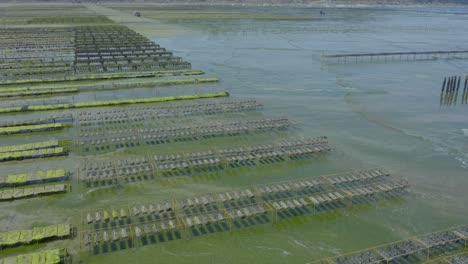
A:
[374,114]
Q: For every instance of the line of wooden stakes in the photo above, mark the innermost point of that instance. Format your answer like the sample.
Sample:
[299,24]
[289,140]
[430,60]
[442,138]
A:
[450,89]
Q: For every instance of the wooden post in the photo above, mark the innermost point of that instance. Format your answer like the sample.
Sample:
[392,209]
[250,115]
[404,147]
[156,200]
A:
[443,84]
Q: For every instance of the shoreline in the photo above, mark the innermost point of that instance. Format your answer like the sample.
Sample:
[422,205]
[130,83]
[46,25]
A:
[315,4]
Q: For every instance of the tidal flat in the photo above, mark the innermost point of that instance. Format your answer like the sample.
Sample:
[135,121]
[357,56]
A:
[385,113]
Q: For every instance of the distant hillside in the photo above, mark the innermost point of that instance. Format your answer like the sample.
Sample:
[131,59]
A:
[262,2]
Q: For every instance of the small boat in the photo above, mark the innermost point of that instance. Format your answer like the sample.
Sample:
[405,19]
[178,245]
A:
[196,220]
[89,218]
[115,236]
[143,209]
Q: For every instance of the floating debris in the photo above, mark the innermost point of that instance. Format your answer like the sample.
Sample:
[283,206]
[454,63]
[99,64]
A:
[215,212]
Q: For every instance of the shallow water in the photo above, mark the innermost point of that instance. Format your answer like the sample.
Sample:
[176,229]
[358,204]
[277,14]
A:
[375,114]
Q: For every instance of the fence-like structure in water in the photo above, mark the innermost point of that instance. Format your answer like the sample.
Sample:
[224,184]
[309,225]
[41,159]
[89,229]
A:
[394,56]
[460,258]
[106,141]
[127,226]
[189,164]
[81,49]
[139,115]
[15,238]
[414,249]
[33,178]
[35,150]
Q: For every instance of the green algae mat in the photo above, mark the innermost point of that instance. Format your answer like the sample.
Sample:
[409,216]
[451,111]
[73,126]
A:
[26,178]
[32,128]
[52,256]
[36,234]
[30,146]
[31,108]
